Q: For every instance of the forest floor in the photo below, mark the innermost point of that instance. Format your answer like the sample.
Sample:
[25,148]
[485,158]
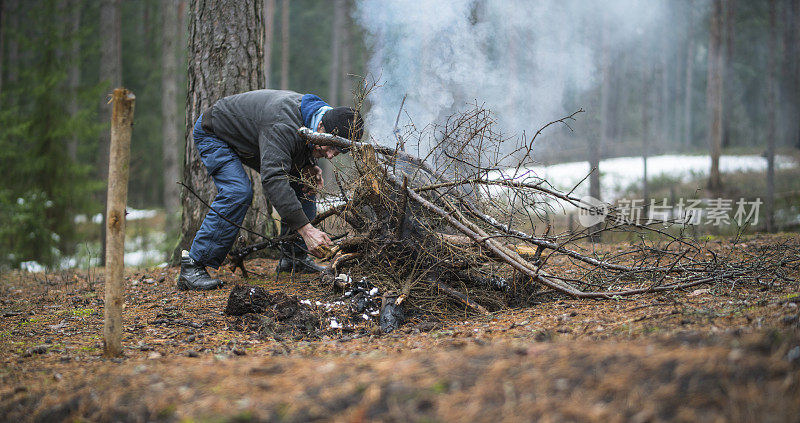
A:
[727,352]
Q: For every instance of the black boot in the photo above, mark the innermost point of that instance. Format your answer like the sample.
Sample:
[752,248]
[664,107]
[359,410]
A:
[304,264]
[194,276]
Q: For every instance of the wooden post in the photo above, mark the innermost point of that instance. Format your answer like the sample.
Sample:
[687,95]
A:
[119,157]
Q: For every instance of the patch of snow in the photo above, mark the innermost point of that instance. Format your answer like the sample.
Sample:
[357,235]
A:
[324,204]
[618,174]
[31,266]
[134,214]
[141,257]
[335,324]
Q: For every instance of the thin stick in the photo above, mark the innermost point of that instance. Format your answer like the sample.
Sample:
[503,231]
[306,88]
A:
[517,262]
[400,144]
[205,203]
[328,276]
[403,203]
[463,299]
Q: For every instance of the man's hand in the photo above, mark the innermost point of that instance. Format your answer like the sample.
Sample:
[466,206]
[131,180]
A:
[314,174]
[316,240]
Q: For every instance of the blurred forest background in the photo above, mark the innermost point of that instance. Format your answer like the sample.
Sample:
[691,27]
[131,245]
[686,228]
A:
[704,74]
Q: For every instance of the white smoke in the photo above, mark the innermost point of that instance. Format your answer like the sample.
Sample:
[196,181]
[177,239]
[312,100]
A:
[520,59]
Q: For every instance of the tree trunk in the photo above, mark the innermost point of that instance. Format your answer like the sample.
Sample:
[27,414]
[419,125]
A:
[334,80]
[336,47]
[594,147]
[169,109]
[12,26]
[74,73]
[646,104]
[346,94]
[687,99]
[2,43]
[771,117]
[110,71]
[10,62]
[677,128]
[613,87]
[285,45]
[714,95]
[111,77]
[269,30]
[226,57]
[145,27]
[511,61]
[622,94]
[661,104]
[791,70]
[727,63]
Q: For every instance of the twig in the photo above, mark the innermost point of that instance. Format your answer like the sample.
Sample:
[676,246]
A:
[402,210]
[463,299]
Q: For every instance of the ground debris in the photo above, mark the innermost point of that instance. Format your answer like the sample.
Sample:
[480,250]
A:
[271,314]
[727,355]
[245,299]
[392,312]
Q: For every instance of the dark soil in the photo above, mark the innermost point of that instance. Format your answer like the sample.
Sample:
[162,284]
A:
[271,314]
[724,352]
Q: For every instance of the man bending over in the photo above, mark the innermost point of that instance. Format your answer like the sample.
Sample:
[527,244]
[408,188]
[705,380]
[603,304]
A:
[258,129]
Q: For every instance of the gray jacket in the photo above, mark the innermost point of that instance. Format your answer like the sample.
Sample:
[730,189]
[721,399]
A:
[261,126]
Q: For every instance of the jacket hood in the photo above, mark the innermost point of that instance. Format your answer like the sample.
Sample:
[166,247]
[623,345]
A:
[309,105]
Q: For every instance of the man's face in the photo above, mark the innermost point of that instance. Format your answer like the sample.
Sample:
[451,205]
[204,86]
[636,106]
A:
[324,151]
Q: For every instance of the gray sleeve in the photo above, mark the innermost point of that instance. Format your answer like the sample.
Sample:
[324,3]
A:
[276,164]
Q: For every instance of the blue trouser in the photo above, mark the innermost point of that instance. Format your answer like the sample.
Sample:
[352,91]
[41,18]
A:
[234,194]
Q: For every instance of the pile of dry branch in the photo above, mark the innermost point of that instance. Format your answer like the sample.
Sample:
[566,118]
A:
[451,232]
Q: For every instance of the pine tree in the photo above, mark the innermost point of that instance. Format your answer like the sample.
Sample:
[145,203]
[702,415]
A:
[235,69]
[44,187]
